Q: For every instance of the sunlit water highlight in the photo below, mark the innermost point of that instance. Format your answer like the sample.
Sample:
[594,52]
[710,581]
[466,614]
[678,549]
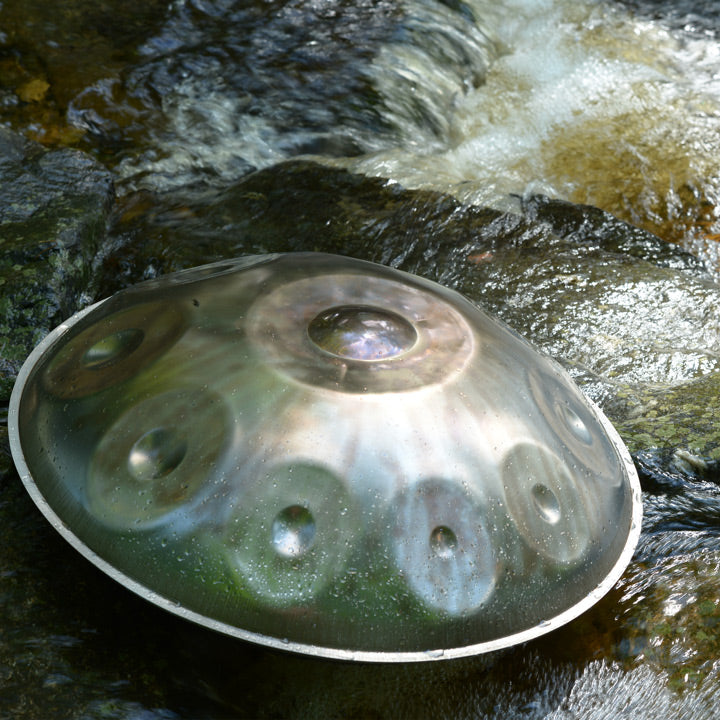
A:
[591,105]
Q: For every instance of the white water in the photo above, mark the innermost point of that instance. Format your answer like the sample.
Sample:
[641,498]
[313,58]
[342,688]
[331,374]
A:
[587,104]
[575,99]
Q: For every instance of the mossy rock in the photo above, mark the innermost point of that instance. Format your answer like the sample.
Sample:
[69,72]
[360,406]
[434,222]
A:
[53,211]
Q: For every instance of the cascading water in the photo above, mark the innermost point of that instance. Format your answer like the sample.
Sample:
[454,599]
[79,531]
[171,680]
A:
[583,101]
[324,78]
[591,105]
[588,104]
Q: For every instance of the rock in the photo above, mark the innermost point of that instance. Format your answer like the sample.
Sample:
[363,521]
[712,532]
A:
[53,211]
[66,48]
[636,320]
[599,295]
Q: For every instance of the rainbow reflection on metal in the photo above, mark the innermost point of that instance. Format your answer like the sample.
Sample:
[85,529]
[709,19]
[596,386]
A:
[326,455]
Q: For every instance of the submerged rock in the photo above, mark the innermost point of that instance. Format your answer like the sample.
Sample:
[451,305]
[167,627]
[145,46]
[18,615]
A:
[50,54]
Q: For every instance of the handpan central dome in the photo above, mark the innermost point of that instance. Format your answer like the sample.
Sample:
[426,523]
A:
[326,455]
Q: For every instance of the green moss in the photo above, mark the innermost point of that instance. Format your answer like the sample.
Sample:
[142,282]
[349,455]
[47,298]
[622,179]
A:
[54,208]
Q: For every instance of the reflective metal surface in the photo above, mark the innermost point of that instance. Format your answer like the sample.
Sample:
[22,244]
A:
[326,455]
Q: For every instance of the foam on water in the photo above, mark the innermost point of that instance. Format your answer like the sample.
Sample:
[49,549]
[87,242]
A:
[590,104]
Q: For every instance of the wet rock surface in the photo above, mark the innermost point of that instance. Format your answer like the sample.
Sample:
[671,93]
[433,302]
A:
[634,319]
[53,211]
[543,269]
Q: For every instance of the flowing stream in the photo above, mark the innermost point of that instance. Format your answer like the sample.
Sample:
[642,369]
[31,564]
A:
[577,100]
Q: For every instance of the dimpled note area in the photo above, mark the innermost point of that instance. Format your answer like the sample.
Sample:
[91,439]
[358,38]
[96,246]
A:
[327,455]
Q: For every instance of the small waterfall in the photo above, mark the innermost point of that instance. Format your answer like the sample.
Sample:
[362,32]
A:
[581,100]
[590,104]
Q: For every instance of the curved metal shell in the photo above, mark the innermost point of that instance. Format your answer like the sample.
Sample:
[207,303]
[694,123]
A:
[326,455]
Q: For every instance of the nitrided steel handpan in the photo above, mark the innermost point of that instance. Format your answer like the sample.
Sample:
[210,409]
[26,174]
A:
[326,455]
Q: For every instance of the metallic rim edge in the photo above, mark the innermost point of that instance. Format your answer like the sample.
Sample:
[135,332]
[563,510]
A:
[324,652]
